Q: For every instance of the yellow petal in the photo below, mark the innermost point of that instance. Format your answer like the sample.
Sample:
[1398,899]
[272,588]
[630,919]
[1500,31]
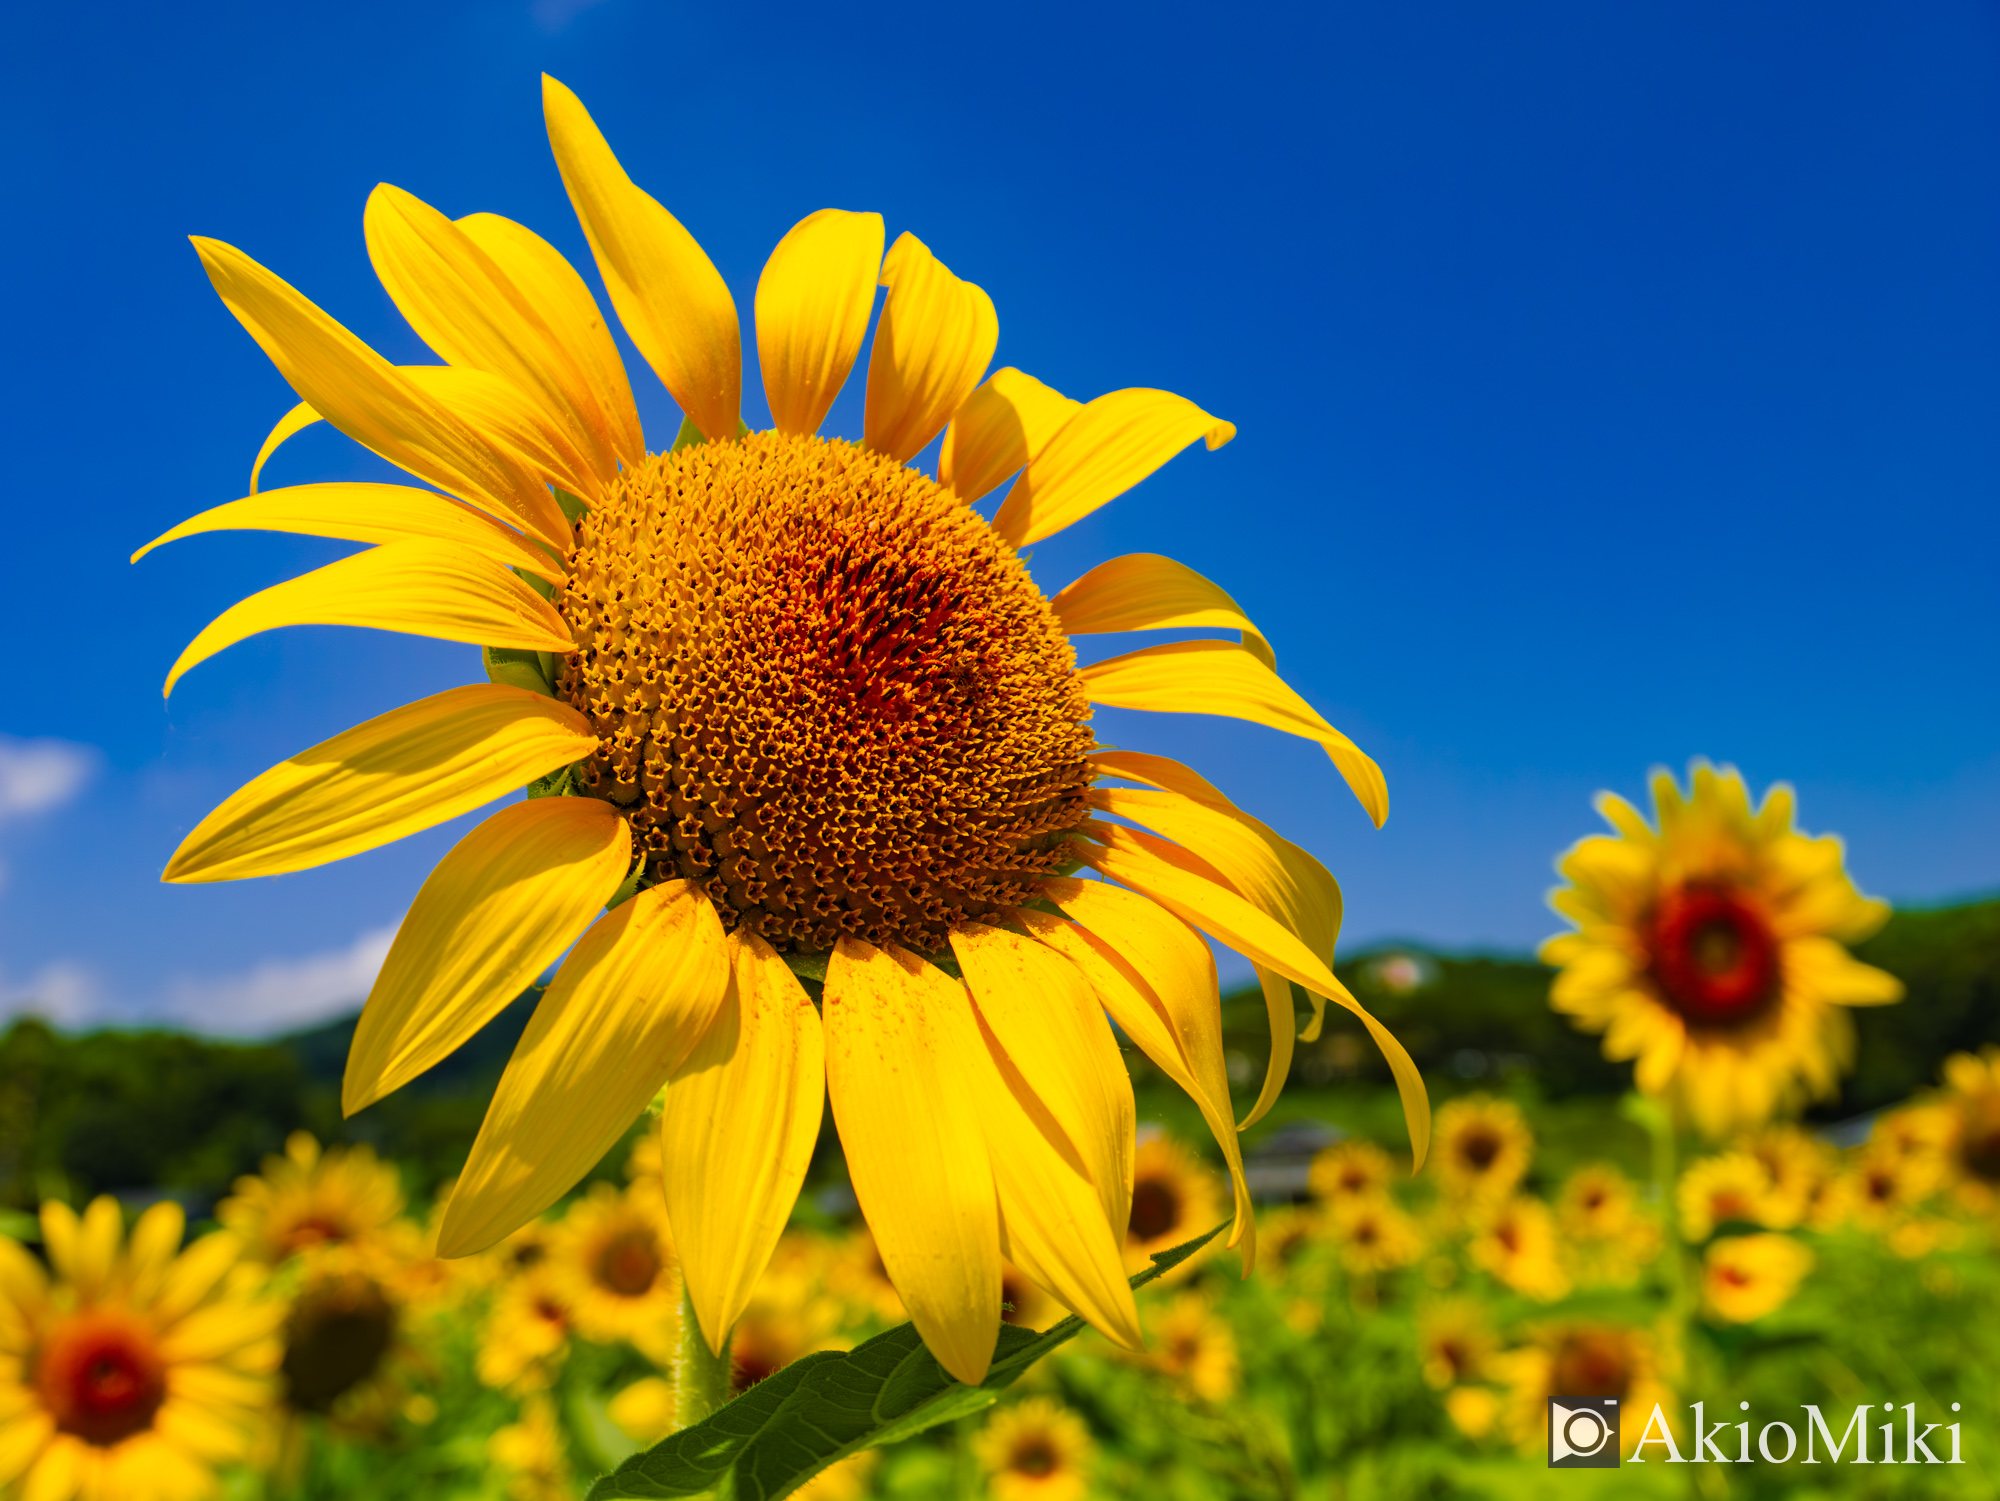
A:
[898,1034]
[508,898]
[1157,979]
[368,513]
[356,390]
[933,341]
[511,421]
[419,587]
[1143,591]
[813,302]
[1185,886]
[671,299]
[1047,1021]
[1053,1222]
[412,768]
[464,304]
[1101,452]
[1217,677]
[156,1235]
[294,422]
[624,1011]
[1001,426]
[60,1229]
[742,1115]
[549,282]
[1284,1032]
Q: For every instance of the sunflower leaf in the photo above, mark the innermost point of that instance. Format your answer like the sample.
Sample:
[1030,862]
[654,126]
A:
[816,1411]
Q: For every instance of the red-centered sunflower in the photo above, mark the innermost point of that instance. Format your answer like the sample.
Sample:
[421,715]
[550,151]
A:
[786,706]
[1710,950]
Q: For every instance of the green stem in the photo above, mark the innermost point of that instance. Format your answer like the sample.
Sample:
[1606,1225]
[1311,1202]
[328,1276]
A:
[701,1377]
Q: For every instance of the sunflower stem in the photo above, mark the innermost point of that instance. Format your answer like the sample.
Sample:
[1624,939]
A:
[701,1377]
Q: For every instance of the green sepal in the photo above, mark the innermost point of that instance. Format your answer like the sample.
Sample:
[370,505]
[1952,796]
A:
[535,582]
[572,506]
[563,782]
[513,667]
[817,1411]
[629,887]
[689,435]
[808,966]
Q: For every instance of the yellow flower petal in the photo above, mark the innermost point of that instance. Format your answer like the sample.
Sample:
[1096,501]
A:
[1284,1032]
[671,299]
[417,586]
[59,1473]
[294,422]
[624,1010]
[1218,677]
[368,513]
[511,421]
[1180,883]
[22,1439]
[1001,426]
[362,394]
[1143,591]
[1047,1021]
[742,1115]
[508,898]
[1157,979]
[412,768]
[933,342]
[898,1034]
[464,304]
[551,285]
[156,1236]
[1101,452]
[813,302]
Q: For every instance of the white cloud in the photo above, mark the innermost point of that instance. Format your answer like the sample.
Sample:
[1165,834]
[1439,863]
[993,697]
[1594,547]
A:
[37,775]
[555,15]
[64,994]
[281,995]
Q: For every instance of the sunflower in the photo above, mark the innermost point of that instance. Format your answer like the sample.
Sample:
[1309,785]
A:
[1455,1342]
[349,1340]
[1744,1277]
[311,1197]
[529,1454]
[1473,1410]
[613,1265]
[1484,1147]
[525,1338]
[136,1372]
[1798,1168]
[1196,1348]
[1175,1197]
[1709,950]
[785,705]
[1519,1248]
[1884,1186]
[1731,1187]
[1036,1450]
[1584,1359]
[1374,1235]
[1350,1169]
[1972,1113]
[1606,1236]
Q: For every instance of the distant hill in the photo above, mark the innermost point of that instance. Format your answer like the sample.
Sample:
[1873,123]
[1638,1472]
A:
[144,1112]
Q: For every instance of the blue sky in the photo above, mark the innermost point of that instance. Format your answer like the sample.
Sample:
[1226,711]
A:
[1616,384]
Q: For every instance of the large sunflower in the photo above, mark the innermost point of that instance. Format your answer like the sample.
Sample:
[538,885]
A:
[1710,949]
[788,707]
[136,1371]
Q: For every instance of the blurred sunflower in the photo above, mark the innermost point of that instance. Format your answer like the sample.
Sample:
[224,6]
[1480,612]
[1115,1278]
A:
[1455,1342]
[1175,1197]
[1374,1235]
[846,1480]
[1028,1307]
[613,1266]
[1519,1248]
[525,1338]
[1709,950]
[1584,1359]
[1351,1169]
[1484,1147]
[1883,1185]
[1744,1277]
[1196,1347]
[1606,1236]
[311,1197]
[647,1410]
[1730,1187]
[786,705]
[135,1373]
[346,1337]
[1798,1169]
[856,1275]
[1972,1112]
[529,1454]
[1036,1450]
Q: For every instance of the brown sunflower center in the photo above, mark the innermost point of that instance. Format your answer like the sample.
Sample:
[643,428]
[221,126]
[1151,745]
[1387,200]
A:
[1156,1208]
[629,1263]
[1592,1363]
[337,1332]
[1035,1456]
[101,1377]
[1979,1140]
[826,690]
[313,1230]
[1478,1148]
[1714,957]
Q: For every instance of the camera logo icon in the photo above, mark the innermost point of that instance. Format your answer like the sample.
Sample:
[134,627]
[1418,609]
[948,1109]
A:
[1583,1433]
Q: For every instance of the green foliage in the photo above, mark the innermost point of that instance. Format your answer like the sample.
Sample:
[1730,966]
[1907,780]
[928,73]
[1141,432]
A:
[783,1431]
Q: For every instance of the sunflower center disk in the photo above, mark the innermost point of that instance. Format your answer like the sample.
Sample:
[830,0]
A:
[827,692]
[101,1378]
[1714,957]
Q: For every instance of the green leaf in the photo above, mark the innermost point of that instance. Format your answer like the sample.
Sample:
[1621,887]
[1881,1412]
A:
[515,668]
[782,1432]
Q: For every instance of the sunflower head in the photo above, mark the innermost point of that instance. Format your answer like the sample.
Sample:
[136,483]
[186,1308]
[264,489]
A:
[1884,1186]
[1374,1234]
[1607,1236]
[1581,1358]
[1745,1277]
[1972,1108]
[1518,1246]
[339,1332]
[1175,1197]
[1728,1188]
[525,1338]
[613,1263]
[1709,949]
[1036,1450]
[310,1198]
[1350,1169]
[1196,1347]
[1484,1147]
[1455,1342]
